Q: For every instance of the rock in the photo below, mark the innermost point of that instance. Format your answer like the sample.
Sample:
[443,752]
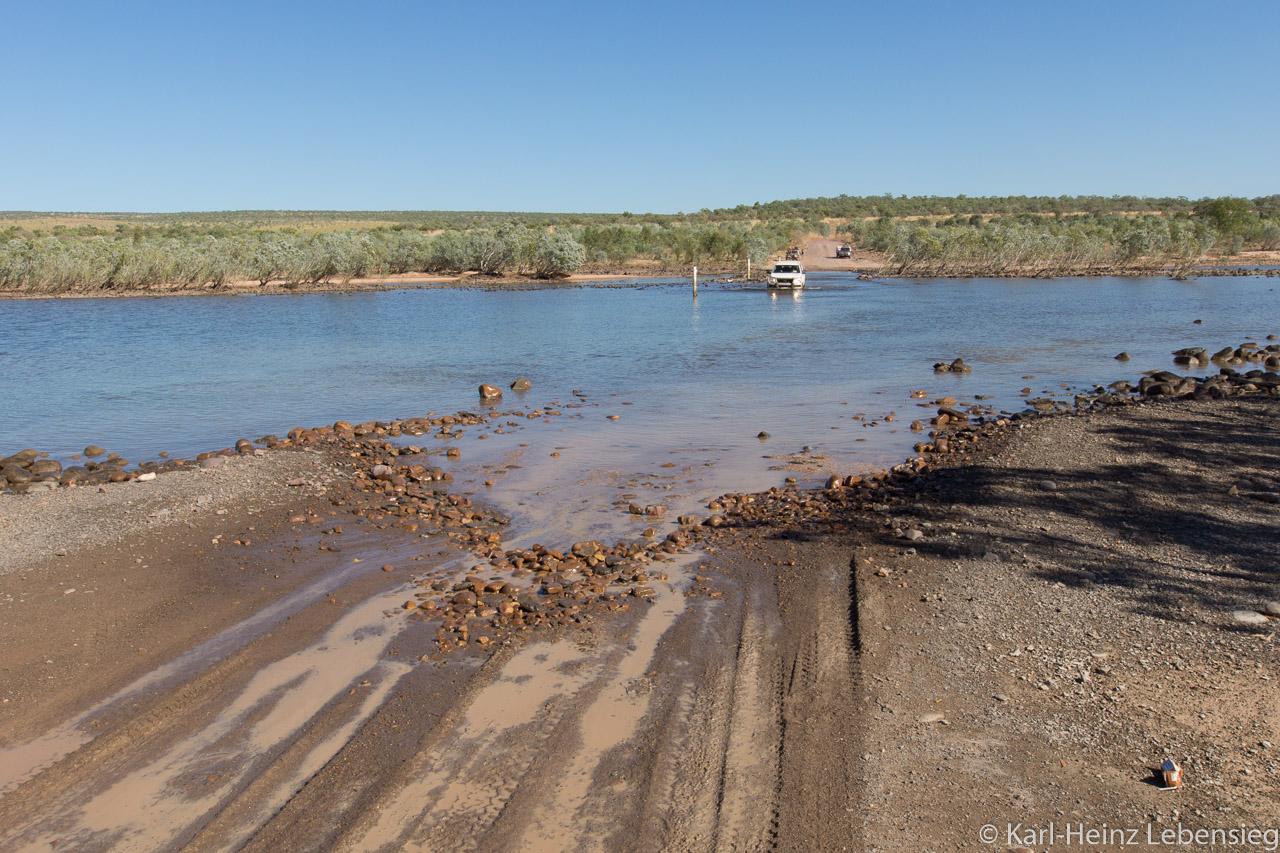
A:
[382,472]
[834,483]
[244,445]
[147,477]
[23,458]
[762,435]
[530,603]
[1048,485]
[1124,356]
[586,549]
[521,384]
[991,557]
[913,535]
[93,450]
[957,366]
[388,568]
[15,475]
[213,462]
[657,510]
[932,718]
[488,392]
[1249,617]
[74,474]
[1271,608]
[466,598]
[42,467]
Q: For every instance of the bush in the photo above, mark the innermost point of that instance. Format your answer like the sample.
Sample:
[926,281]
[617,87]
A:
[556,255]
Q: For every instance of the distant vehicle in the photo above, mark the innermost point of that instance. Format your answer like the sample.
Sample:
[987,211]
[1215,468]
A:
[788,274]
[793,253]
[844,252]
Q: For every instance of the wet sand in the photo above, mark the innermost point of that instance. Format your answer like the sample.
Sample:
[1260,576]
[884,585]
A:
[822,678]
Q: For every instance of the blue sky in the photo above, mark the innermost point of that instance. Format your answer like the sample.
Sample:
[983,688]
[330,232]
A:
[656,107]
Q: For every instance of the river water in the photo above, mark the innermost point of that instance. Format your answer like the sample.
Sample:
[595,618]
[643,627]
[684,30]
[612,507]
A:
[700,377]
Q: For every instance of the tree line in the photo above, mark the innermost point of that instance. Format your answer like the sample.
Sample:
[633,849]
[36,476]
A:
[1083,244]
[132,261]
[914,235]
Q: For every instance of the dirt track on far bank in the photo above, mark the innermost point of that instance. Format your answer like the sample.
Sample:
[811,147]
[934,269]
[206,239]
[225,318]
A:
[821,255]
[1016,637]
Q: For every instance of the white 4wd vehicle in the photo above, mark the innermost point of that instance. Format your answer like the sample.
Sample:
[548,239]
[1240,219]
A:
[787,274]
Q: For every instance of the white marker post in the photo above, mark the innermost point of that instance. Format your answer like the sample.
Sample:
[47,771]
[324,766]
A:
[748,268]
[695,281]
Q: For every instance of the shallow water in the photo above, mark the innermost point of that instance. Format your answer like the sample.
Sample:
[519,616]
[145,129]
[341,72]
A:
[183,375]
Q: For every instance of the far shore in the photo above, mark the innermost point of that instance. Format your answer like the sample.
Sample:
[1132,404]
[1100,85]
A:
[818,256]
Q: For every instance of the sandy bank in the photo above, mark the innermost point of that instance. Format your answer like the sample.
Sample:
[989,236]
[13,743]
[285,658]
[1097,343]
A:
[618,272]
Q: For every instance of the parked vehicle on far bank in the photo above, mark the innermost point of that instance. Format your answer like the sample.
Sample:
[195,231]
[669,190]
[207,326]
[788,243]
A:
[845,251]
[789,274]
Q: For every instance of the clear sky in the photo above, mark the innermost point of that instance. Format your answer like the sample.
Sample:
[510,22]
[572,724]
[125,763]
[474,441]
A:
[605,106]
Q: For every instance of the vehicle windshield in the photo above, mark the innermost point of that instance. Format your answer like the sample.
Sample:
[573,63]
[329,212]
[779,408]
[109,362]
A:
[786,268]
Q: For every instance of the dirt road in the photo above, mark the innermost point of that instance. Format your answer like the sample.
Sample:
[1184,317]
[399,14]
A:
[821,255]
[1014,639]
[274,696]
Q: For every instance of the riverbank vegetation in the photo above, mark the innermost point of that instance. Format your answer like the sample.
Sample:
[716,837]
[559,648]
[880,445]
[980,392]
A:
[922,235]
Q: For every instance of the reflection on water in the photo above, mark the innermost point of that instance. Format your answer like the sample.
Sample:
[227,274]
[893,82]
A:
[190,374]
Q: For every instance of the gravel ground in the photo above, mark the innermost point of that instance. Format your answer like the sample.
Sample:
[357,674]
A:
[62,522]
[1083,603]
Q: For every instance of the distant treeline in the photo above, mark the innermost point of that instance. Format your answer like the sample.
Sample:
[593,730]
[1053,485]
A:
[232,222]
[864,207]
[924,235]
[53,264]
[1029,243]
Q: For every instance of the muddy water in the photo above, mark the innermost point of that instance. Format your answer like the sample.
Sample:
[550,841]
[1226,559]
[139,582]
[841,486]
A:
[153,799]
[21,761]
[459,789]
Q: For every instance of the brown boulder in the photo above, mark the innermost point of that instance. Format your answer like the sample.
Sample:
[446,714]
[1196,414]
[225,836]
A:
[42,467]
